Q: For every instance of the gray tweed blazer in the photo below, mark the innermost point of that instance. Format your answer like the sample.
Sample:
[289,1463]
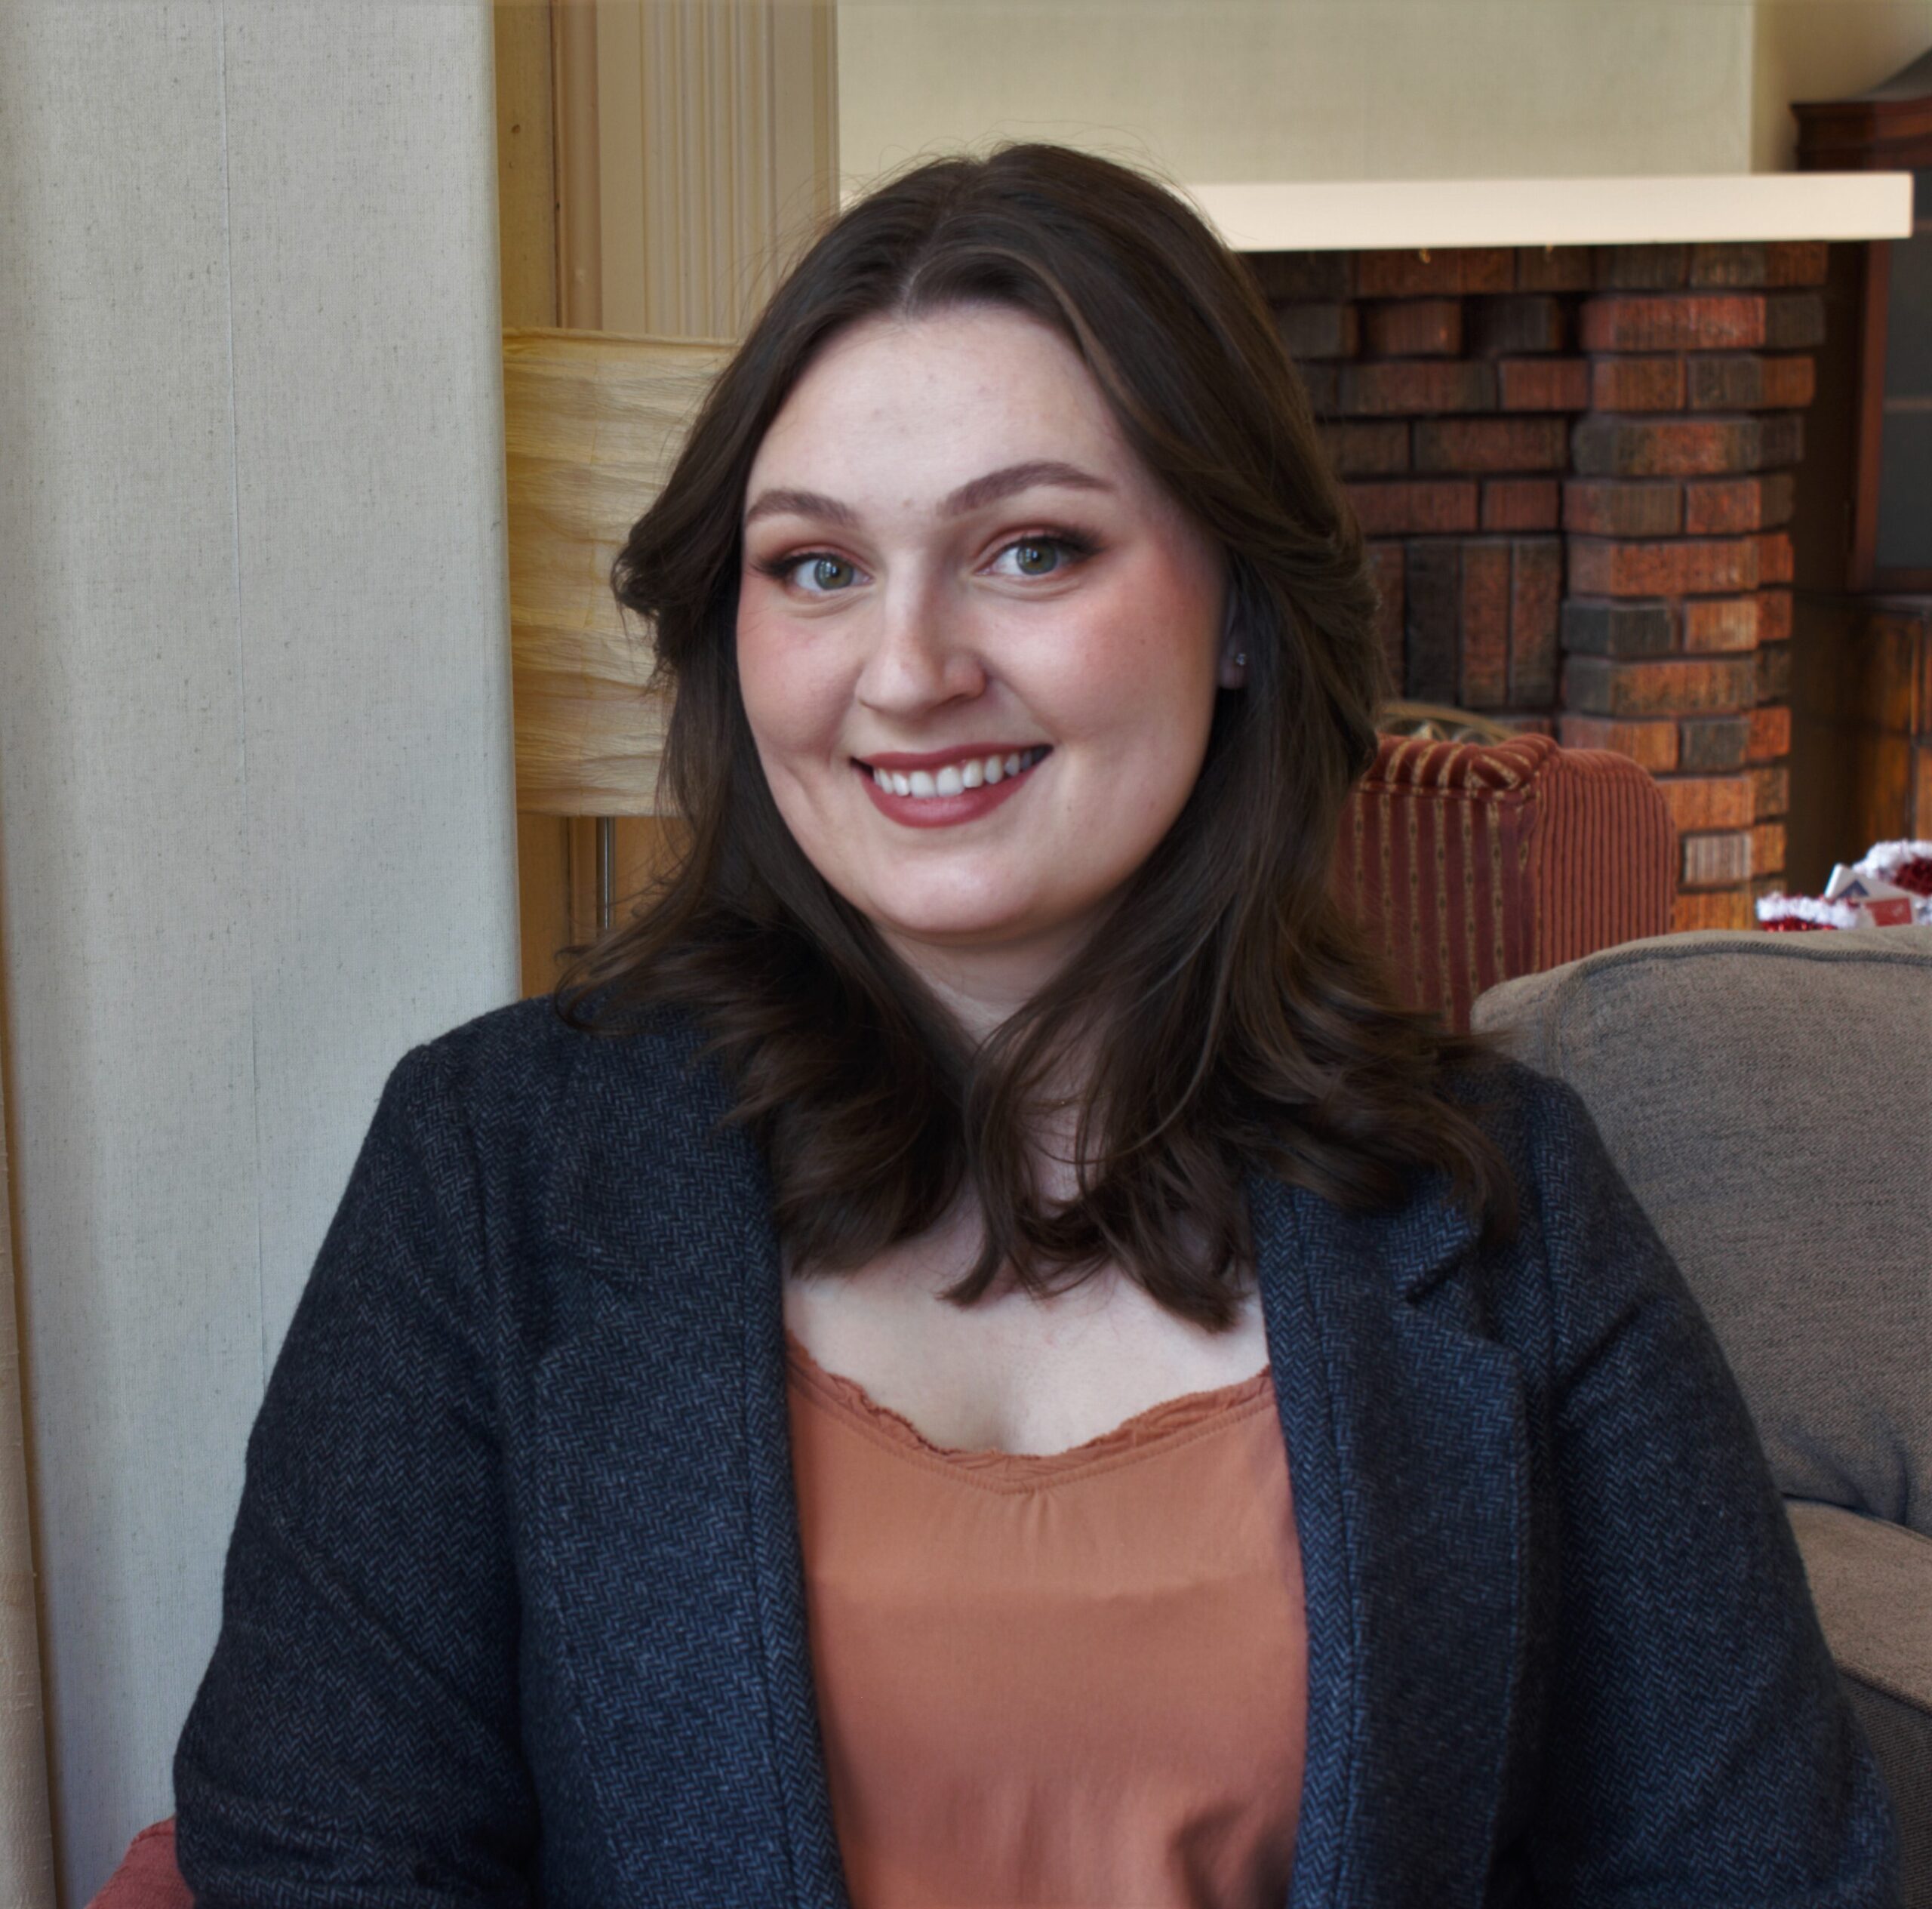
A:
[513,1612]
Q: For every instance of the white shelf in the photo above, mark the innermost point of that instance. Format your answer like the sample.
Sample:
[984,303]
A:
[1403,215]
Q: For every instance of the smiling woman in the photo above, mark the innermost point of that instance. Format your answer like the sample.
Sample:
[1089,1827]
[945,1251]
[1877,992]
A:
[1013,471]
[973,1355]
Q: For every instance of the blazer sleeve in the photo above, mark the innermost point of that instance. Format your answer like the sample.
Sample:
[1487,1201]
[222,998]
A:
[1699,1748]
[354,1738]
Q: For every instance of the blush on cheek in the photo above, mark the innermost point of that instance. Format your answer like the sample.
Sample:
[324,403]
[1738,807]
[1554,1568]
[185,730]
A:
[787,702]
[1145,687]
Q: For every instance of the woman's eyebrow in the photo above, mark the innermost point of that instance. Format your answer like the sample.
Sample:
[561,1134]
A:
[1002,483]
[975,494]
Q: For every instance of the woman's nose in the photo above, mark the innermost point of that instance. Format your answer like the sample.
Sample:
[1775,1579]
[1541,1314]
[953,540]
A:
[922,654]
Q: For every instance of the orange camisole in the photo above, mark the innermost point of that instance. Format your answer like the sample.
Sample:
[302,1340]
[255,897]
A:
[1078,1678]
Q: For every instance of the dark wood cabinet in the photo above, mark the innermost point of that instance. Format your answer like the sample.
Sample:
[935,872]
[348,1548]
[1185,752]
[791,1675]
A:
[1861,766]
[1888,129]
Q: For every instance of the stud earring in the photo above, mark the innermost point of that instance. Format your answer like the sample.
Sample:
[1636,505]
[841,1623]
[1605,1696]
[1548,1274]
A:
[1240,659]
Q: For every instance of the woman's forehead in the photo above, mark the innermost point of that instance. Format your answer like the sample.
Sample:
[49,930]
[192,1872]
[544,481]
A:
[935,402]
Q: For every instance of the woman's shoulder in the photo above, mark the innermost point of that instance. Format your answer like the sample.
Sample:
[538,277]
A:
[1582,1239]
[524,1067]
[1539,1120]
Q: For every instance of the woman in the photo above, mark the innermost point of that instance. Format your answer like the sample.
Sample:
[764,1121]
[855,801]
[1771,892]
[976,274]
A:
[980,1358]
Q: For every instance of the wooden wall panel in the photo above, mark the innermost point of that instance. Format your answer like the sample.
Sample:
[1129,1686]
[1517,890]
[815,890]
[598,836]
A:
[717,133]
[27,1821]
[695,150]
[526,161]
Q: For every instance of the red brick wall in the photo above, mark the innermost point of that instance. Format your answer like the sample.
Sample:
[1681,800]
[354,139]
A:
[1573,465]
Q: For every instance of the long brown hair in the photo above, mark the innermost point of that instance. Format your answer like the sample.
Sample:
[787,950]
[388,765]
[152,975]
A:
[1263,1032]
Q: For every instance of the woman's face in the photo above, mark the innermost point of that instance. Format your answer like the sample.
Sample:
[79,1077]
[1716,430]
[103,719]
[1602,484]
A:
[978,644]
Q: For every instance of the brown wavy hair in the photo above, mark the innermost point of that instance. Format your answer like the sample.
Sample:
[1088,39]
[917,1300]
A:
[1238,1021]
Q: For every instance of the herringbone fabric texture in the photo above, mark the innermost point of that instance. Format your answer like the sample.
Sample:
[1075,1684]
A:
[1475,862]
[514,1610]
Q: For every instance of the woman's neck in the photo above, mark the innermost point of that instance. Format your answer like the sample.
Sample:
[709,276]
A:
[982,987]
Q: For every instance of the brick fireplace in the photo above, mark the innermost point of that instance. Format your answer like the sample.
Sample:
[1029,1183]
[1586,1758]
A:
[1574,465]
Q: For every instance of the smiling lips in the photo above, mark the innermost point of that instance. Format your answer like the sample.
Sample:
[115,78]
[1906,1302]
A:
[929,792]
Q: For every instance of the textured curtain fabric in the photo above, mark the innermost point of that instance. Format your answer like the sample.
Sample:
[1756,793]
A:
[255,748]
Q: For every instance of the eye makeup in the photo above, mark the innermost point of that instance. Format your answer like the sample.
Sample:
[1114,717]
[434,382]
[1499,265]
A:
[1078,545]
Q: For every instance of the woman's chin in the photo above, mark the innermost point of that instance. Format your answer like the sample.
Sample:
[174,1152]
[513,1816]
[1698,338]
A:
[954,931]
[958,939]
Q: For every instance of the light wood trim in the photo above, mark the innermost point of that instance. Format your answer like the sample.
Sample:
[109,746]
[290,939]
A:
[526,35]
[26,1806]
[526,162]
[542,896]
[574,115]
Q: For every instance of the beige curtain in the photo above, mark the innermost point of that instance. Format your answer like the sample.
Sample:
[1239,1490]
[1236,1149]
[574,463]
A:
[27,1840]
[257,832]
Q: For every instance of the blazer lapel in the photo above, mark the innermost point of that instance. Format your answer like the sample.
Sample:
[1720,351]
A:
[1405,1431]
[818,1876]
[671,1573]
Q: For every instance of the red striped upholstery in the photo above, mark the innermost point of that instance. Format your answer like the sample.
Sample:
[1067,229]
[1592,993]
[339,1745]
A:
[1477,861]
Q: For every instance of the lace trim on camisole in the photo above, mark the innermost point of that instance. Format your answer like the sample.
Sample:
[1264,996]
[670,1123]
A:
[1192,1414]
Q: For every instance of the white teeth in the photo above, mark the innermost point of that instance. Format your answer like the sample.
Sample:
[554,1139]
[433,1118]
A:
[976,773]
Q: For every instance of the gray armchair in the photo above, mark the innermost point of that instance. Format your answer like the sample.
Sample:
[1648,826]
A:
[1769,1099]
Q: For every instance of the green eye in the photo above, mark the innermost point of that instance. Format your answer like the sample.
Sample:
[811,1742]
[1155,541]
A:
[828,572]
[1037,559]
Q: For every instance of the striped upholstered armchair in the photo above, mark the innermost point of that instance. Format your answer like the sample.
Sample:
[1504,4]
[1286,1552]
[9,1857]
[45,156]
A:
[1477,861]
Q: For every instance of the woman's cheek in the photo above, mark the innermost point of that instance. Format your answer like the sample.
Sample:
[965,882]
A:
[775,680]
[1138,673]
